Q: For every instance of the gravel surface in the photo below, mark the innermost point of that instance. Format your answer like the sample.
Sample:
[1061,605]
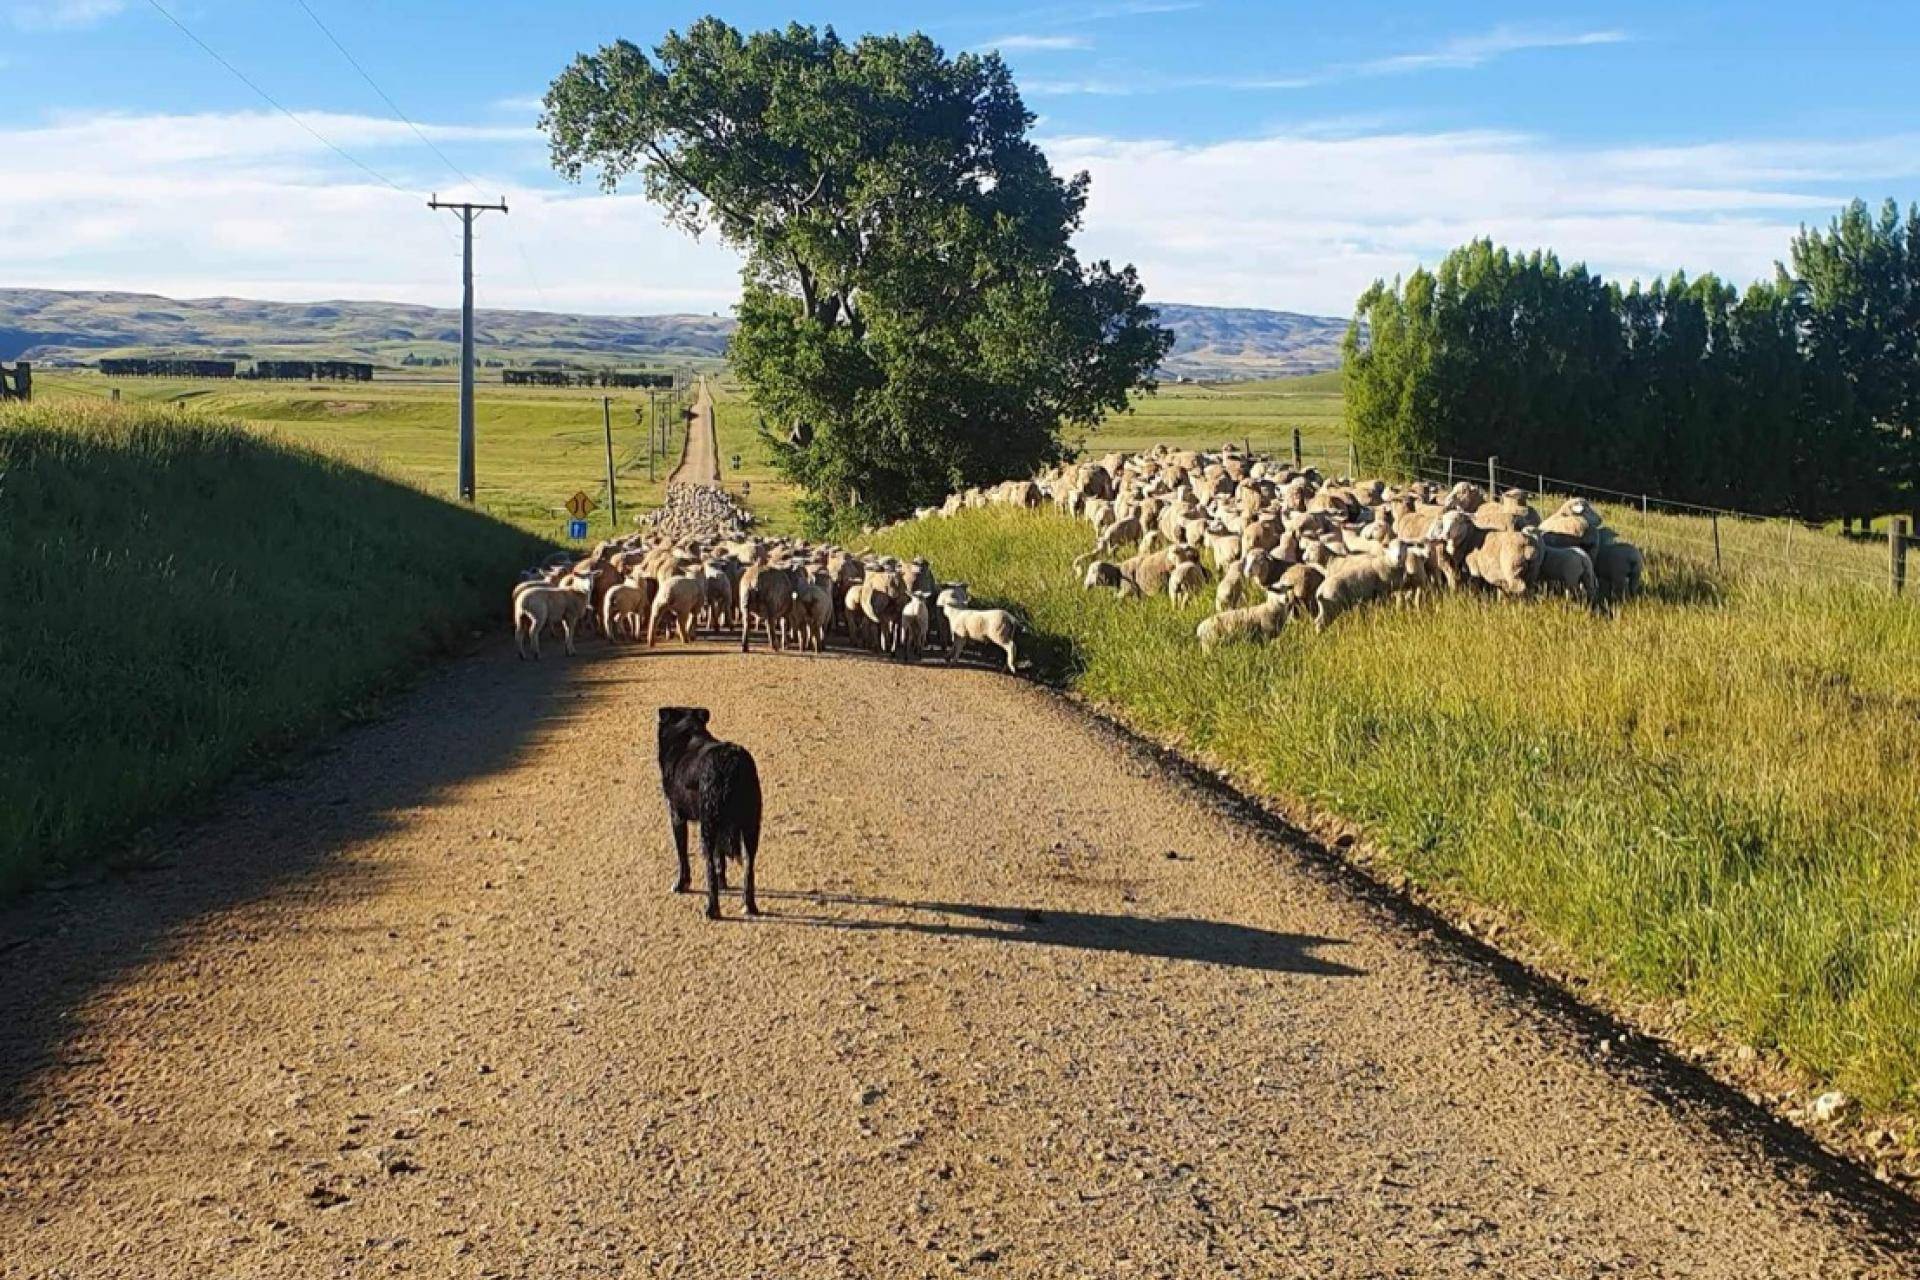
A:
[1025,1004]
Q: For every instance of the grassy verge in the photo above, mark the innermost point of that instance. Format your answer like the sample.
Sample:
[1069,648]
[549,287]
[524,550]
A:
[185,595]
[1709,798]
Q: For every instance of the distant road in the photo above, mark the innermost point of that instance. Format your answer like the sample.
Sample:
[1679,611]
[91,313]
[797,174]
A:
[700,458]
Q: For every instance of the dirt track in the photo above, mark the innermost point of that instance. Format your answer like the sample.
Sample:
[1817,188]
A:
[1024,1006]
[700,457]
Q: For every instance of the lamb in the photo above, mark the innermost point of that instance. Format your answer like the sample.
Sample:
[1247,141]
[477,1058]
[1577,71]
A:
[916,623]
[1355,579]
[679,601]
[1227,594]
[808,614]
[536,607]
[1299,584]
[1567,569]
[1102,574]
[1618,566]
[1263,622]
[994,626]
[625,607]
[766,591]
[1187,579]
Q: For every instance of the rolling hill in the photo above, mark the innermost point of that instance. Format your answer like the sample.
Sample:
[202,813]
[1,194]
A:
[1211,343]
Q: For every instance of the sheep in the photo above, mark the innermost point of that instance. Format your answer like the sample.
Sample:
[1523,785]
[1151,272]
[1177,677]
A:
[766,592]
[1354,579]
[627,603]
[994,626]
[1227,594]
[1568,569]
[680,600]
[1262,621]
[1575,524]
[1102,574]
[1300,583]
[535,607]
[885,594]
[916,624]
[1618,566]
[1507,562]
[1120,533]
[1187,579]
[1150,570]
[809,612]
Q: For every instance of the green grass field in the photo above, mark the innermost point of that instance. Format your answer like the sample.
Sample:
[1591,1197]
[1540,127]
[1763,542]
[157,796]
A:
[187,596]
[537,446]
[1708,798]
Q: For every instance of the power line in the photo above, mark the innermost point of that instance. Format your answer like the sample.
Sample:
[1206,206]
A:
[275,103]
[526,263]
[374,85]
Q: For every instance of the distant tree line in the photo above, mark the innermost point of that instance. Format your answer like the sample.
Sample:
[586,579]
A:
[1798,395]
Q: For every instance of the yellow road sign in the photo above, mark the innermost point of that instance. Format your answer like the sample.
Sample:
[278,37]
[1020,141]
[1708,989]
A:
[580,505]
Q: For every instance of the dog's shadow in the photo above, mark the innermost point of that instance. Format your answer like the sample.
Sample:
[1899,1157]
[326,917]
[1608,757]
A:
[1167,937]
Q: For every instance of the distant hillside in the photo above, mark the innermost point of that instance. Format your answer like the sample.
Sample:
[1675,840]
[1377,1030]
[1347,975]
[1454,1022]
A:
[1212,343]
[49,324]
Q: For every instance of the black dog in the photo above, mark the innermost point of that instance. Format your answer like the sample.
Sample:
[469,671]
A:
[715,784]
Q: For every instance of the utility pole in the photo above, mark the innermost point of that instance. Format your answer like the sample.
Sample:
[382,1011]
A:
[467,212]
[613,500]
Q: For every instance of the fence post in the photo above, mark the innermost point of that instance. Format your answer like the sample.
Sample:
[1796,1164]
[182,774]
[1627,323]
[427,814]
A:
[1296,448]
[1540,482]
[1353,460]
[1897,553]
[1716,539]
[1449,473]
[1493,476]
[1643,504]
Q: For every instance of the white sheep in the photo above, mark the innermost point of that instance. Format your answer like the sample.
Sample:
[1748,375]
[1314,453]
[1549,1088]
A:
[995,626]
[1262,621]
[537,607]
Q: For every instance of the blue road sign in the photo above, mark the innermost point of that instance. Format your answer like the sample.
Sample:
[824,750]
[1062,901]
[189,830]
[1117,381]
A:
[577,530]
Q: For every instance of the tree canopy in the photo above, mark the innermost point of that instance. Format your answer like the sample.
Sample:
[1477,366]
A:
[913,314]
[1800,394]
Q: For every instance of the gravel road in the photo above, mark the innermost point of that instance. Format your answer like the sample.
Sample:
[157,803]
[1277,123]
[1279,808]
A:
[700,457]
[1025,1004]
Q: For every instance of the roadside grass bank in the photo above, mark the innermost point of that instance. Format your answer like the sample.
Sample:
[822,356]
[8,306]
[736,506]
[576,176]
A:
[186,596]
[1708,799]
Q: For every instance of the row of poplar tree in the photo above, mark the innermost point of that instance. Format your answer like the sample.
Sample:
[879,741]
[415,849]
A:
[1799,395]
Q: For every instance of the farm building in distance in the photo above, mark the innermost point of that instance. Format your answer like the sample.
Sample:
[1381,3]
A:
[289,370]
[586,378]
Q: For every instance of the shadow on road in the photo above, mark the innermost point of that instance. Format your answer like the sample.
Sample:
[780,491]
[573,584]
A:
[1168,937]
[292,837]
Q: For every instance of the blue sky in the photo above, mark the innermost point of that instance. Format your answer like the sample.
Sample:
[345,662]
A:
[1275,155]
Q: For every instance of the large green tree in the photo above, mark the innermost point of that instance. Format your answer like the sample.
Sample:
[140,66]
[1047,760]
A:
[913,315]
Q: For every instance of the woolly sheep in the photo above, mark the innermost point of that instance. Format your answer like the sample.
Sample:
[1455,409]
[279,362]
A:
[537,607]
[1355,579]
[680,600]
[993,626]
[1262,621]
[1187,579]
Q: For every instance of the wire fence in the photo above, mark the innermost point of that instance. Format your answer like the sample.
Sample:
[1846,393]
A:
[1723,538]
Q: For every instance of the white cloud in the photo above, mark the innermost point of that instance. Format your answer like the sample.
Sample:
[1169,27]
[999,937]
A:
[248,205]
[1473,51]
[59,15]
[1305,220]
[1038,43]
[1459,53]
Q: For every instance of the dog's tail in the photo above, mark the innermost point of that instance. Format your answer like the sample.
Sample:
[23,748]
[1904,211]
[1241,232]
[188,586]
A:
[729,801]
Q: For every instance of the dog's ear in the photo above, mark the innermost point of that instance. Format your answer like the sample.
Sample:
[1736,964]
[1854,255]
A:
[701,715]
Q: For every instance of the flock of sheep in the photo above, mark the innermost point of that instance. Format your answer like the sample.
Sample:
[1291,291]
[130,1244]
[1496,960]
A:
[1314,547]
[722,579]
